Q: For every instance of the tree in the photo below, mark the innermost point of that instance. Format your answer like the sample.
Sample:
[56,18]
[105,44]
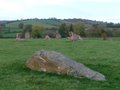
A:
[90,32]
[104,35]
[79,29]
[71,28]
[21,25]
[95,30]
[63,30]
[116,33]
[28,28]
[98,29]
[1,34]
[37,31]
[111,32]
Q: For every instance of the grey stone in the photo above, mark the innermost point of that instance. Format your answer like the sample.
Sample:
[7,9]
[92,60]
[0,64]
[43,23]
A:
[54,62]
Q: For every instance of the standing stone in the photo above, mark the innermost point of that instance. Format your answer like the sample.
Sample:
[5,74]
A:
[54,62]
[47,37]
[58,36]
[27,35]
[74,37]
[19,37]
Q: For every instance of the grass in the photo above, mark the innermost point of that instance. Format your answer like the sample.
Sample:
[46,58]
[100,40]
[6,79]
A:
[102,56]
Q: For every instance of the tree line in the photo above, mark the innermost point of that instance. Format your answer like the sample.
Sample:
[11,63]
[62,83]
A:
[95,30]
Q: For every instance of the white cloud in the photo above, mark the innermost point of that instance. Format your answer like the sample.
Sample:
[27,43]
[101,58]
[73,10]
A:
[24,5]
[48,2]
[99,1]
[7,6]
[95,9]
[34,2]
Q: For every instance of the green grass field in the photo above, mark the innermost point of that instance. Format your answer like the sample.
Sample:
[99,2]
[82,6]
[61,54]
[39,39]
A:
[102,56]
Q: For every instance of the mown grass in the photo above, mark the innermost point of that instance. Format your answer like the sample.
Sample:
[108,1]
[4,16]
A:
[102,56]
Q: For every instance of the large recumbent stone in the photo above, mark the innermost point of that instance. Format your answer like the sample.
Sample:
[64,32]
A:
[54,62]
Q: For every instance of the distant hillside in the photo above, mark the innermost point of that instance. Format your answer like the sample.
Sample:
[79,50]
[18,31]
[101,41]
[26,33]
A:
[48,23]
[10,28]
[53,22]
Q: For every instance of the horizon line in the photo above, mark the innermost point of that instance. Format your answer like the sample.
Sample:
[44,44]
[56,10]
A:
[57,18]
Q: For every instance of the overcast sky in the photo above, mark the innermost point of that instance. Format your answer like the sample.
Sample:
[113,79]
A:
[103,10]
